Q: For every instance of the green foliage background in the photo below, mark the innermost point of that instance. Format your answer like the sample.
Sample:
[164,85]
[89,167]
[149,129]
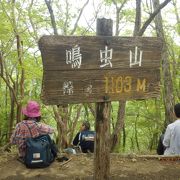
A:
[30,20]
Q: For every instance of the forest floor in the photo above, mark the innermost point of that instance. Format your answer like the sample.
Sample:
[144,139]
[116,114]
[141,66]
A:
[80,167]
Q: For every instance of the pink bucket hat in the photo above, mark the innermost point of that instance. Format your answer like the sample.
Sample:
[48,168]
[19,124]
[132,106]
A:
[32,109]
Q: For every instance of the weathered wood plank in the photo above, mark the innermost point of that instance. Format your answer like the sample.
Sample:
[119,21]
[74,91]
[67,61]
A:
[53,50]
[102,84]
[92,82]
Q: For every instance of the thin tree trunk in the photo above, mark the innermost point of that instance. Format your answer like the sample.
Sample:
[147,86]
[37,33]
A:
[124,138]
[118,10]
[21,75]
[119,124]
[74,123]
[115,137]
[11,116]
[53,21]
[136,132]
[61,126]
[152,16]
[137,25]
[167,79]
[177,15]
[65,118]
[92,109]
[77,20]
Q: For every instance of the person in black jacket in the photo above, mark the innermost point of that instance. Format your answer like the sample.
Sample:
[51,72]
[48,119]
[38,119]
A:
[161,148]
[85,138]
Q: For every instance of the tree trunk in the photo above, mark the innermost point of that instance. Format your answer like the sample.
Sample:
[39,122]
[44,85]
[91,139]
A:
[119,125]
[136,132]
[53,21]
[74,123]
[20,74]
[124,138]
[137,25]
[115,137]
[166,78]
[61,126]
[11,116]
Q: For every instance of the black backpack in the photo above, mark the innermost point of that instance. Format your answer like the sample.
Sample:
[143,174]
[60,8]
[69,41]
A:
[40,151]
[161,148]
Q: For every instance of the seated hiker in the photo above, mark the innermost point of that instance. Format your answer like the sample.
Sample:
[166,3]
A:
[29,127]
[85,138]
[172,135]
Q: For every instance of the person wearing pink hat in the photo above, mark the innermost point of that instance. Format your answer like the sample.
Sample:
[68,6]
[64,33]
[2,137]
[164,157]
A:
[29,127]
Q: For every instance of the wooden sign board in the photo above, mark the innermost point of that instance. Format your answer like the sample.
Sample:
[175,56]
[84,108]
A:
[99,68]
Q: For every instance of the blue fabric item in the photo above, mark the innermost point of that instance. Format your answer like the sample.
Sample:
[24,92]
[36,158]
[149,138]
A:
[38,152]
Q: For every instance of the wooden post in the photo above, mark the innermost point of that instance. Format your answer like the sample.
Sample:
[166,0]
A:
[102,145]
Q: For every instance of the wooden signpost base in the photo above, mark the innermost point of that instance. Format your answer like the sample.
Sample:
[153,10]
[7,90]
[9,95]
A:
[102,143]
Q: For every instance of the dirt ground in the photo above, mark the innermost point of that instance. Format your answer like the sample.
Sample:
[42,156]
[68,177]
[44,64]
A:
[80,167]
